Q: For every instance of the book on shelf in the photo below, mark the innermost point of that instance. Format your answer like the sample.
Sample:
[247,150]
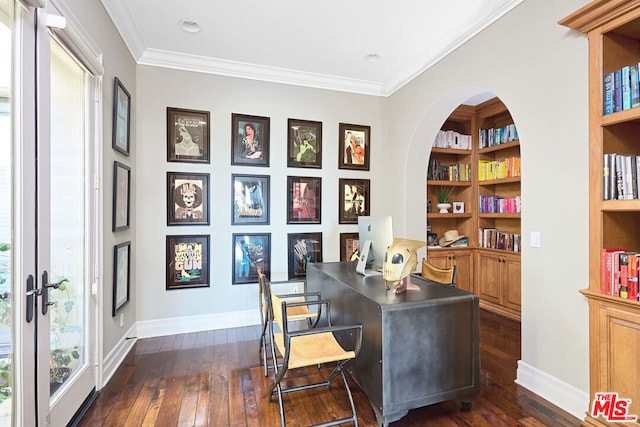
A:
[608,93]
[617,90]
[633,262]
[621,180]
[626,87]
[635,86]
[606,269]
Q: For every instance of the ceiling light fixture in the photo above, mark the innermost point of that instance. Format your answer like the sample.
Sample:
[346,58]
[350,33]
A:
[189,26]
[372,57]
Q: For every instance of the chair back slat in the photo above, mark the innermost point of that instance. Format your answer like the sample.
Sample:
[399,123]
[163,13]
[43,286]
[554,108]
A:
[438,274]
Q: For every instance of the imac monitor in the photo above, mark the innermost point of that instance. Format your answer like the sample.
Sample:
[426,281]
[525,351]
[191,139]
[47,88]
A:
[378,230]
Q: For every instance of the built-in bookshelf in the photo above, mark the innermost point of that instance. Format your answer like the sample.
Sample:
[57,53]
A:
[613,30]
[485,178]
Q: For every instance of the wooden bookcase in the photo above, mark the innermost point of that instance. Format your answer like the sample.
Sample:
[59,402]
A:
[613,30]
[493,274]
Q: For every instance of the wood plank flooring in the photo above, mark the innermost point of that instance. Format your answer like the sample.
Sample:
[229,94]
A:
[214,378]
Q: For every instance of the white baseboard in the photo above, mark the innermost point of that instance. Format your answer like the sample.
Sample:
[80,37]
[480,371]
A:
[117,355]
[205,322]
[561,394]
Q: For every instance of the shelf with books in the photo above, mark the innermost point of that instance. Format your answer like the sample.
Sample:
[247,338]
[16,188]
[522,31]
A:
[613,29]
[499,215]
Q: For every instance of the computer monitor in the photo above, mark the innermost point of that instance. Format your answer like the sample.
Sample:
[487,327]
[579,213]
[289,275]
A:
[379,231]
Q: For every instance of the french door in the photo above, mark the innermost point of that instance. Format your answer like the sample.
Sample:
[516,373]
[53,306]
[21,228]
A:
[52,218]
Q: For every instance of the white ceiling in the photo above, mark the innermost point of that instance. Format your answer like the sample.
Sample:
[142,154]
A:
[319,44]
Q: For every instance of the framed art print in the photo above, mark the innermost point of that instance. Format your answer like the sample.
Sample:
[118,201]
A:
[121,129]
[188,135]
[303,200]
[304,144]
[303,248]
[250,252]
[121,198]
[249,140]
[121,275]
[187,198]
[349,247]
[187,261]
[354,147]
[353,200]
[249,199]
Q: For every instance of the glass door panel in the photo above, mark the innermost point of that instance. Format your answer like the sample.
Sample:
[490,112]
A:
[6,214]
[69,213]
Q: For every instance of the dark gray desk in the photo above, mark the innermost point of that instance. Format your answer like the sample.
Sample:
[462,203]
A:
[419,347]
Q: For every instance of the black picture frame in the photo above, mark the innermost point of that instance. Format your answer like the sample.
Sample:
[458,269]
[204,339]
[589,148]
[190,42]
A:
[121,196]
[353,200]
[121,276]
[304,200]
[354,146]
[187,198]
[254,153]
[303,248]
[188,135]
[187,260]
[250,195]
[121,128]
[250,252]
[349,247]
[304,144]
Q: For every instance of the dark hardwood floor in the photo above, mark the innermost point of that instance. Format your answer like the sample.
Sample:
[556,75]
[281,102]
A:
[215,378]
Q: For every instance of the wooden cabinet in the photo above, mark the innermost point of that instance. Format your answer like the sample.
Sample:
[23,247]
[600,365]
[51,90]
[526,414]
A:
[491,216]
[613,29]
[498,284]
[463,261]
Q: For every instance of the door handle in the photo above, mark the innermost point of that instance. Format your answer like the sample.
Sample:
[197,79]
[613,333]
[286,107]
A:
[45,291]
[31,298]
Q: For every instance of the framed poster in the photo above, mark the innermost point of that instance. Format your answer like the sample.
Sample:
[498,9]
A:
[187,261]
[249,140]
[353,200]
[121,129]
[187,198]
[121,275]
[304,200]
[121,198]
[304,144]
[349,247]
[303,248]
[188,137]
[249,199]
[250,252]
[354,147]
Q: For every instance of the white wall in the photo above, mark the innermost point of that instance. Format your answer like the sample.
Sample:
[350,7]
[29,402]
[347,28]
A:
[159,88]
[539,70]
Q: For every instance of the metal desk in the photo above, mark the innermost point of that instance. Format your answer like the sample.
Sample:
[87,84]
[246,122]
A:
[419,347]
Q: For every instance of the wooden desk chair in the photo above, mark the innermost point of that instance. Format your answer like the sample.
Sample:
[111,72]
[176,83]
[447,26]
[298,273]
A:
[301,313]
[310,347]
[446,276]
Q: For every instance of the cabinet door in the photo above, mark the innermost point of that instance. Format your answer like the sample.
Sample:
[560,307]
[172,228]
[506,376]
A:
[511,284]
[489,277]
[439,259]
[464,270]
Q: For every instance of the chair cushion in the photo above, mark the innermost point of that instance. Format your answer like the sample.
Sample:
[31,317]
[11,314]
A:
[308,350]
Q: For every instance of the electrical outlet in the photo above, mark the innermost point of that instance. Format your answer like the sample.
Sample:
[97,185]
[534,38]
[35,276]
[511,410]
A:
[121,320]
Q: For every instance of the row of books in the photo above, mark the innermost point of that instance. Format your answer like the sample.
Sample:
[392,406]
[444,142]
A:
[497,136]
[492,238]
[497,204]
[498,169]
[621,177]
[621,89]
[452,139]
[456,172]
[619,271]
